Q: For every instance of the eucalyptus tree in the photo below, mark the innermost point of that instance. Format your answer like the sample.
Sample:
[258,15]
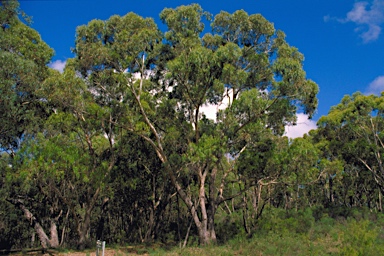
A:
[67,164]
[333,180]
[354,131]
[264,166]
[302,169]
[167,80]
[77,147]
[23,59]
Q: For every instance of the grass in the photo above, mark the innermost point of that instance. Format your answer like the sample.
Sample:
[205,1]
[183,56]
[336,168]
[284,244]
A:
[288,233]
[301,235]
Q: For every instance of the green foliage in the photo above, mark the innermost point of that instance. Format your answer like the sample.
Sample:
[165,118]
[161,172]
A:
[23,59]
[184,21]
[118,143]
[162,83]
[359,238]
[327,236]
[352,139]
[279,221]
[229,226]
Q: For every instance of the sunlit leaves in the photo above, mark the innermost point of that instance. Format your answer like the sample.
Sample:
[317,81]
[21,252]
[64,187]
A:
[353,130]
[196,74]
[115,43]
[243,29]
[303,160]
[184,21]
[23,59]
[207,150]
[157,86]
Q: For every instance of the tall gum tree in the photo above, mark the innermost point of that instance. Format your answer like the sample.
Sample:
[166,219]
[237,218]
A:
[169,78]
[82,140]
[68,162]
[23,59]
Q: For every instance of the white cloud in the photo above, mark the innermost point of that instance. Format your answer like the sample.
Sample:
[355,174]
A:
[376,87]
[58,65]
[327,18]
[303,126]
[210,110]
[368,18]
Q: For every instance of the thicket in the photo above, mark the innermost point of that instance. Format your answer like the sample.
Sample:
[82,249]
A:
[304,232]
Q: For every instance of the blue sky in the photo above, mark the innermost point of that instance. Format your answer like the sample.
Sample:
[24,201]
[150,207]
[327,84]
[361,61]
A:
[342,41]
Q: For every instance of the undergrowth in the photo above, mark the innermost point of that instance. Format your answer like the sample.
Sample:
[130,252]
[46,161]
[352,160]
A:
[279,232]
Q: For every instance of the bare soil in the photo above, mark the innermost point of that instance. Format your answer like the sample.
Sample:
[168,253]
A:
[107,252]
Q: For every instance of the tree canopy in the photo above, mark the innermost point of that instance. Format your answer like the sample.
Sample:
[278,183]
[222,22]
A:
[23,58]
[165,82]
[118,146]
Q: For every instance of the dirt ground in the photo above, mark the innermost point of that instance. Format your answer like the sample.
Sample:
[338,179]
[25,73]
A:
[107,252]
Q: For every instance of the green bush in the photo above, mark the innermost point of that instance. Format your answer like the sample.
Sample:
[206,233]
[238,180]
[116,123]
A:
[229,226]
[291,222]
[359,238]
[282,232]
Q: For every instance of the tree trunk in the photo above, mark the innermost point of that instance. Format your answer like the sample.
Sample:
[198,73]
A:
[44,239]
[54,241]
[206,231]
[331,197]
[206,227]
[245,214]
[202,216]
[83,228]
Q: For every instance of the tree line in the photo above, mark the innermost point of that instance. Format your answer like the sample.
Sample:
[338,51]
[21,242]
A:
[117,147]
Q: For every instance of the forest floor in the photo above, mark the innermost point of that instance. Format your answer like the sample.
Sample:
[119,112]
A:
[107,252]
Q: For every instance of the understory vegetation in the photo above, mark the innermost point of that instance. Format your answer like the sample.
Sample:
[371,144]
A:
[306,232]
[315,231]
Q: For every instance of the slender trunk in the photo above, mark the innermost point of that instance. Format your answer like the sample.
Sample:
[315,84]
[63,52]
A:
[178,222]
[64,226]
[187,235]
[258,204]
[211,224]
[331,198]
[33,240]
[102,220]
[151,224]
[153,209]
[245,214]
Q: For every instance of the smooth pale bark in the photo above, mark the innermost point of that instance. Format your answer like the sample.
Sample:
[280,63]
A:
[45,241]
